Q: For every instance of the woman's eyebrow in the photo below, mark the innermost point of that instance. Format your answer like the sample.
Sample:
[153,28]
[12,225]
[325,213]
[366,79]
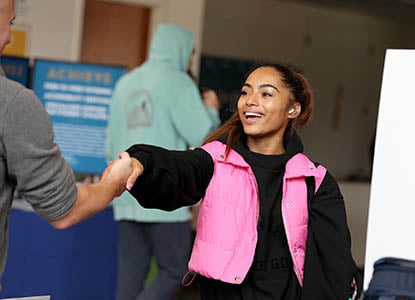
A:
[263,86]
[269,85]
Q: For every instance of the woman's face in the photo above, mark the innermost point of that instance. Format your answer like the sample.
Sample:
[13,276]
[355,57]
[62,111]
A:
[264,104]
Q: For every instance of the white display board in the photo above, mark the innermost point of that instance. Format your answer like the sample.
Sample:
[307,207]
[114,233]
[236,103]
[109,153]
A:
[391,222]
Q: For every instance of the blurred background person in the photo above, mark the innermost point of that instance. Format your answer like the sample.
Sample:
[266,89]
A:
[157,103]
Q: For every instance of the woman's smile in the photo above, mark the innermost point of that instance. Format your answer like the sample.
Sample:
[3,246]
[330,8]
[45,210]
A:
[251,117]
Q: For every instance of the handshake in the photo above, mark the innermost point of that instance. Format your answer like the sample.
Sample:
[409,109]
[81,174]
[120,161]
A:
[121,174]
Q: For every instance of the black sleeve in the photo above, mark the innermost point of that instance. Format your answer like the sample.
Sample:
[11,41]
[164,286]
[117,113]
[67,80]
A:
[171,179]
[329,266]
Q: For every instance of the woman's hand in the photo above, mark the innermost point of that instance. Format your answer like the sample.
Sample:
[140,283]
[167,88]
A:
[137,170]
[122,173]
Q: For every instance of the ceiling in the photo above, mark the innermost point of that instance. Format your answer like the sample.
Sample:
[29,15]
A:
[403,10]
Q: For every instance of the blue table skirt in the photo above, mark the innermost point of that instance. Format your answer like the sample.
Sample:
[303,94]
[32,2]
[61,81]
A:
[77,263]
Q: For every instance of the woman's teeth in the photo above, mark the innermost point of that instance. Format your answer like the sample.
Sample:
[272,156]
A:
[252,115]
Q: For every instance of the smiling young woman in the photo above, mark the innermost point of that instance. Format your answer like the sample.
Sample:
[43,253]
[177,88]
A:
[272,223]
[274,101]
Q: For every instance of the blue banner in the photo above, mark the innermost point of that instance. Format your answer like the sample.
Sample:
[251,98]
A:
[77,98]
[16,68]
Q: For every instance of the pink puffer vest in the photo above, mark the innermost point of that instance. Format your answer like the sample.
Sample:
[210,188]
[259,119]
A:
[227,226]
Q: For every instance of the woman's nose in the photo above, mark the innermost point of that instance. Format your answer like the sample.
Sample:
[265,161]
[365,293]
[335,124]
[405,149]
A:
[252,100]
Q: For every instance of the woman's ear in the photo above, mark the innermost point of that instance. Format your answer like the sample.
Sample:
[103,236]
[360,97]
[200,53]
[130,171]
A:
[294,111]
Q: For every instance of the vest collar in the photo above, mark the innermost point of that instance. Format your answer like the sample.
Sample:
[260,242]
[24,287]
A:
[300,166]
[219,154]
[297,166]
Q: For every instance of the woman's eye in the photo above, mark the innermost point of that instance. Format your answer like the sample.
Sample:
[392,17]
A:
[266,95]
[244,93]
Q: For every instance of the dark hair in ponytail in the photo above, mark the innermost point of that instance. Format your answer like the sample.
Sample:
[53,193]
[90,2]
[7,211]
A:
[301,93]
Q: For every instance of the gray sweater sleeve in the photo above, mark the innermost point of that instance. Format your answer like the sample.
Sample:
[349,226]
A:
[43,177]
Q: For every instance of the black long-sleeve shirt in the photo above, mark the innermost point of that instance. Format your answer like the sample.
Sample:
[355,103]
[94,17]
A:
[173,179]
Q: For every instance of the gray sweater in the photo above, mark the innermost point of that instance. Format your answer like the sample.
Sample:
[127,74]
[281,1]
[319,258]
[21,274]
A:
[29,160]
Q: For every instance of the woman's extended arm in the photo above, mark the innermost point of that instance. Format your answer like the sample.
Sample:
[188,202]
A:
[170,179]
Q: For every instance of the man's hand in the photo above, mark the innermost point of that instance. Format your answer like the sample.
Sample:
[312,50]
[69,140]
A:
[117,173]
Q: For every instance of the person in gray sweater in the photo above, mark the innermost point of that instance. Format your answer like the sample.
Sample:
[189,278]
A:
[32,163]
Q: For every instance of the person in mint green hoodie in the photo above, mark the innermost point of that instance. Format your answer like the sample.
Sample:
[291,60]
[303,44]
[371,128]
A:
[157,103]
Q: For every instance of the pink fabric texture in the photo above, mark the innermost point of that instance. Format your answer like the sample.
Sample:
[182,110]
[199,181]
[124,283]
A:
[226,235]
